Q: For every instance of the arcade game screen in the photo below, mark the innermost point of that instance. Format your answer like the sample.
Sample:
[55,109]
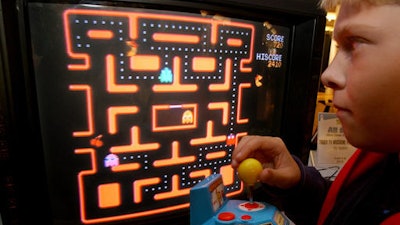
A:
[138,105]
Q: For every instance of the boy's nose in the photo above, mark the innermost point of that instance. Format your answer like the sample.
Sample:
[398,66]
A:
[334,76]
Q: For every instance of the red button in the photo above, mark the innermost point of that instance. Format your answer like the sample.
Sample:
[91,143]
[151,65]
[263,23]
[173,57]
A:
[246,217]
[253,205]
[226,216]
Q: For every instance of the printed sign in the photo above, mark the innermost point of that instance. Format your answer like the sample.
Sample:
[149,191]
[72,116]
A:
[332,147]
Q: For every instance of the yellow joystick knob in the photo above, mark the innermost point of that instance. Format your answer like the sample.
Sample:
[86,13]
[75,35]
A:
[248,170]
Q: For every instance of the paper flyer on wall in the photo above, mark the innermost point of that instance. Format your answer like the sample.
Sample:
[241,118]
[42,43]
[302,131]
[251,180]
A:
[332,146]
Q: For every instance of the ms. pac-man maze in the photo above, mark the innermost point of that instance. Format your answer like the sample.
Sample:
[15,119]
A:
[165,99]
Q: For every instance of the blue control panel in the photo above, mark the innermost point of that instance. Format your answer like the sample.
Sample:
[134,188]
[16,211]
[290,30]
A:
[210,206]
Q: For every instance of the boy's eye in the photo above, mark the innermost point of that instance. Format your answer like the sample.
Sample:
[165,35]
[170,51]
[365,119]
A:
[352,43]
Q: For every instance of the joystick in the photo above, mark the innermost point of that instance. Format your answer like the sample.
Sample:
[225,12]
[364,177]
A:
[248,171]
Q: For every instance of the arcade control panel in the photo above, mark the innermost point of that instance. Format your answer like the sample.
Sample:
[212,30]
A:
[210,206]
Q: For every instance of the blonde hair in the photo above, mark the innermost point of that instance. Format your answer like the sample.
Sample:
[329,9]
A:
[331,4]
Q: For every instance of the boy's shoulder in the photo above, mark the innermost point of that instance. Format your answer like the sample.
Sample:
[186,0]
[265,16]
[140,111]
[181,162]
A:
[392,220]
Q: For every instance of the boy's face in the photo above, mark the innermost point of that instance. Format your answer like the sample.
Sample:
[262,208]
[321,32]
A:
[365,75]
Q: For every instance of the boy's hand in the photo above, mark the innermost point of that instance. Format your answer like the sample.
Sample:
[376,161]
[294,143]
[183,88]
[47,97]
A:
[280,169]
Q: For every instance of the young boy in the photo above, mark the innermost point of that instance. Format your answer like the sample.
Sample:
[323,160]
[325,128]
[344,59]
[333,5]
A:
[365,77]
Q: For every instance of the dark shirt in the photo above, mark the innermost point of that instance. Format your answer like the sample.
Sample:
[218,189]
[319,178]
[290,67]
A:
[367,200]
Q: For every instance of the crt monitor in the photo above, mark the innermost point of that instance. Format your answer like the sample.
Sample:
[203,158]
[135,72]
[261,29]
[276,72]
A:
[131,104]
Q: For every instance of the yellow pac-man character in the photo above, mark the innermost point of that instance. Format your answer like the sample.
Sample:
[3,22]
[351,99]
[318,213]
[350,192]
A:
[257,80]
[132,48]
[187,117]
